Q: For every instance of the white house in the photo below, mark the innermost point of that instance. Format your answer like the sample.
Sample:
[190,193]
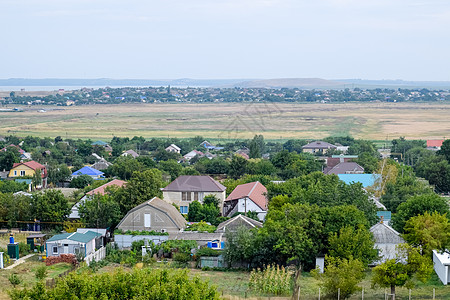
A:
[245,198]
[192,154]
[173,148]
[441,262]
[386,241]
[72,243]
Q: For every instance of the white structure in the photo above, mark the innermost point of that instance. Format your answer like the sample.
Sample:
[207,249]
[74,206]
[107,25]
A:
[1,260]
[72,243]
[386,241]
[173,148]
[245,198]
[441,262]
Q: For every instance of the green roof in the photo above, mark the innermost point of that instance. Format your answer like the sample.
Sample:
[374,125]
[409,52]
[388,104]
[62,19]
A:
[75,236]
[99,143]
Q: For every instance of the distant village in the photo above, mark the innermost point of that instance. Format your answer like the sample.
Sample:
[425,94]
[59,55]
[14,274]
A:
[198,95]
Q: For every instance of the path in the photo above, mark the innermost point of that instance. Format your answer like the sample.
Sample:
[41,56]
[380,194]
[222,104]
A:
[19,261]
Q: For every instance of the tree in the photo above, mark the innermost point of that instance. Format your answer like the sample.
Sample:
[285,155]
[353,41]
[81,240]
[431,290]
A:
[124,166]
[418,205]
[8,158]
[100,211]
[368,162]
[209,211]
[50,206]
[37,178]
[15,208]
[237,167]
[142,187]
[408,265]
[428,232]
[436,169]
[256,146]
[445,150]
[81,181]
[240,246]
[172,167]
[353,243]
[341,275]
[58,173]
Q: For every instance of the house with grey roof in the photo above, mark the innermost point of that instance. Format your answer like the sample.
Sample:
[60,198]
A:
[345,168]
[153,215]
[72,243]
[319,147]
[102,164]
[238,221]
[131,153]
[386,241]
[173,148]
[187,188]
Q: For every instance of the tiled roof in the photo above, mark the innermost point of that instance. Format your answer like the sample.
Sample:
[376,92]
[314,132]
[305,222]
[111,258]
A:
[434,143]
[34,165]
[253,190]
[101,189]
[345,168]
[193,183]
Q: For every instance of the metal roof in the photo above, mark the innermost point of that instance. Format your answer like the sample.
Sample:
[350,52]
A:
[193,183]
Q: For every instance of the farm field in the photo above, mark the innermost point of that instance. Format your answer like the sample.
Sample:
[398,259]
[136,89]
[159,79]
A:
[228,121]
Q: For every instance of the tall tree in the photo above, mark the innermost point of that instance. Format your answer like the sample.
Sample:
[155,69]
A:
[100,211]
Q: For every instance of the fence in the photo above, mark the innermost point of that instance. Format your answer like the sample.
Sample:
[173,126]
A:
[50,283]
[97,255]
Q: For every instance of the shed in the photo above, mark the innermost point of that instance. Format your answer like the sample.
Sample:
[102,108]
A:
[386,240]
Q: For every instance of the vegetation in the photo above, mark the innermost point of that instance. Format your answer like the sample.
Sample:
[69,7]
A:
[273,280]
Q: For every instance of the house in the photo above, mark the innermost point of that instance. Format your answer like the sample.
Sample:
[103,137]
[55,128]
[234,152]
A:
[336,159]
[365,179]
[72,243]
[187,188]
[23,154]
[102,240]
[96,156]
[173,148]
[238,221]
[319,147]
[247,197]
[345,168]
[192,154]
[102,164]
[101,190]
[441,262]
[95,174]
[103,144]
[386,241]
[153,215]
[207,145]
[384,215]
[202,238]
[131,153]
[434,144]
[3,174]
[29,169]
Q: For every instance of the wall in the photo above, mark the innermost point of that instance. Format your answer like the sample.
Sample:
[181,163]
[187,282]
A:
[71,247]
[158,221]
[125,241]
[440,269]
[28,171]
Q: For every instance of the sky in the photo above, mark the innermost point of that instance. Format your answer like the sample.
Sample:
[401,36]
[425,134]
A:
[225,39]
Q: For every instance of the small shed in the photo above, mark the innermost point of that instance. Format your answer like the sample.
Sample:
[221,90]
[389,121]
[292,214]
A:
[441,262]
[36,241]
[386,240]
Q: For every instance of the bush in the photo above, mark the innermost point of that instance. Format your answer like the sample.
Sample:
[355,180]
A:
[181,258]
[41,272]
[201,226]
[273,279]
[137,284]
[24,249]
[14,279]
[205,251]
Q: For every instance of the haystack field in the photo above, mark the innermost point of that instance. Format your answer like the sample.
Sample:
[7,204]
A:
[375,121]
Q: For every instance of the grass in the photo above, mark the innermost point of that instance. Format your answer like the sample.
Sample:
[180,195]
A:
[229,121]
[26,272]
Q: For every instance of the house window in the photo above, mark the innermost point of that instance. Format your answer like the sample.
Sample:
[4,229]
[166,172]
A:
[196,196]
[183,209]
[22,173]
[185,196]
[55,250]
[15,173]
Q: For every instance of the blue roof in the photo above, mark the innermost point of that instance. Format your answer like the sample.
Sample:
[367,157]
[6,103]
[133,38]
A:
[99,143]
[365,179]
[87,171]
[386,214]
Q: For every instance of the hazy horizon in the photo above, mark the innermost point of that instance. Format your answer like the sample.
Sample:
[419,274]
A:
[226,39]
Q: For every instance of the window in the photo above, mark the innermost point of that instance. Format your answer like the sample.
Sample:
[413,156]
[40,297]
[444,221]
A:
[147,220]
[185,196]
[55,250]
[22,173]
[15,173]
[196,196]
[183,209]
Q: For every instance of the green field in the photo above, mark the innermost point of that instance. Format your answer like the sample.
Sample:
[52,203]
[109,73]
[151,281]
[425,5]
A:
[224,121]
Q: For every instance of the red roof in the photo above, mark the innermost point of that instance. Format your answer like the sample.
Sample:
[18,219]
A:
[435,143]
[34,165]
[253,190]
[101,189]
[21,151]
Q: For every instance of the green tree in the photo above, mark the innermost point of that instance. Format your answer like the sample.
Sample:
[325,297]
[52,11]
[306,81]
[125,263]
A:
[237,166]
[353,243]
[256,146]
[58,173]
[37,178]
[100,211]
[124,167]
[81,181]
[428,232]
[142,187]
[418,205]
[436,169]
[341,276]
[408,265]
[8,158]
[172,167]
[50,206]
[240,246]
[445,150]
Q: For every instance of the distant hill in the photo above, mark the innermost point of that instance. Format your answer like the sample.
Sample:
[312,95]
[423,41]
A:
[301,83]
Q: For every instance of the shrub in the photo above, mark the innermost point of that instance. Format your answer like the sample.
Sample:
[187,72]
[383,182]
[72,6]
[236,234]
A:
[273,279]
[41,272]
[201,226]
[14,279]
[181,258]
[205,251]
[24,248]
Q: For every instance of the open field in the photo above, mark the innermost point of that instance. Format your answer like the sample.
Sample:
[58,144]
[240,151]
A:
[222,121]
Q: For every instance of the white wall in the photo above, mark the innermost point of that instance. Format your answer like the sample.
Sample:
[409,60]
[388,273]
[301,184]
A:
[441,270]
